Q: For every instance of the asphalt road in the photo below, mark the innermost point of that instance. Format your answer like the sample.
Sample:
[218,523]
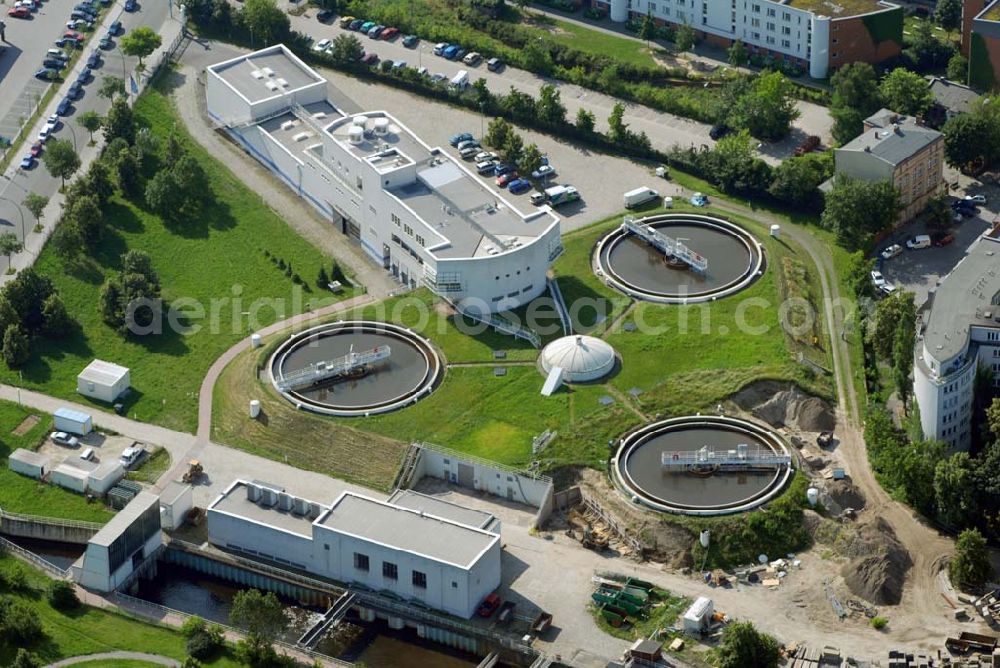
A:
[18,182]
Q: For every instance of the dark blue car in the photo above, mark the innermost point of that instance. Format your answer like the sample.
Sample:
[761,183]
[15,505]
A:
[131,5]
[518,186]
[75,91]
[115,28]
[94,60]
[64,106]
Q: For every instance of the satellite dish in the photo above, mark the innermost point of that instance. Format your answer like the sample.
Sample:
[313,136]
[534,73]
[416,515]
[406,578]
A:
[762,558]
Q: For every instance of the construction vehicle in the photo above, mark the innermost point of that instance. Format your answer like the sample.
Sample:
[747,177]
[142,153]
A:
[195,471]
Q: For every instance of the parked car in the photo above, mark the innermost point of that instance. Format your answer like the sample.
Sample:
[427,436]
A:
[808,145]
[485,155]
[64,106]
[891,252]
[36,149]
[450,52]
[57,53]
[370,59]
[85,75]
[81,16]
[345,22]
[410,41]
[54,63]
[375,32]
[67,42]
[437,77]
[887,288]
[455,140]
[366,26]
[460,54]
[488,606]
[73,35]
[46,74]
[324,15]
[106,43]
[485,166]
[878,280]
[502,169]
[543,172]
[389,33]
[975,199]
[94,60]
[62,438]
[322,45]
[27,162]
[699,199]
[75,91]
[115,28]
[472,59]
[469,152]
[518,186]
[494,64]
[79,24]
[440,47]
[943,240]
[398,64]
[19,12]
[356,24]
[131,6]
[466,143]
[504,179]
[918,242]
[131,455]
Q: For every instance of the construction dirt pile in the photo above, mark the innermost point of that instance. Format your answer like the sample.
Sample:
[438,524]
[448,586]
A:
[839,495]
[785,405]
[878,565]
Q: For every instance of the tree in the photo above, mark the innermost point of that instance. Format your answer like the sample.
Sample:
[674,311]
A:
[36,204]
[924,49]
[743,646]
[855,210]
[585,121]
[56,320]
[265,20]
[129,301]
[647,29]
[897,308]
[617,128]
[906,92]
[993,418]
[98,183]
[971,565]
[858,274]
[797,180]
[322,279]
[62,596]
[192,184]
[734,166]
[485,99]
[129,175]
[531,159]
[953,489]
[497,132]
[536,57]
[119,122]
[518,104]
[971,140]
[163,196]
[855,97]
[140,42]
[26,293]
[958,68]
[10,244]
[939,213]
[111,86]
[146,144]
[685,37]
[948,14]
[61,159]
[91,122]
[848,123]
[85,212]
[138,262]
[550,107]
[346,50]
[25,659]
[260,615]
[15,347]
[67,241]
[766,108]
[512,149]
[902,358]
[738,55]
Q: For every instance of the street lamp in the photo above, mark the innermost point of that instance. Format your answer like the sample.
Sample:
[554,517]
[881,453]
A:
[20,213]
[72,132]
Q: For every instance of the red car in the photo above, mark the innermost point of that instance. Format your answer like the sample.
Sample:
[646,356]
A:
[36,149]
[389,33]
[504,179]
[943,240]
[19,12]
[74,35]
[489,605]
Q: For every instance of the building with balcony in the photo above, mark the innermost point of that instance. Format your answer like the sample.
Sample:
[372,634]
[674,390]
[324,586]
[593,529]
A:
[900,150]
[816,35]
[416,212]
[958,332]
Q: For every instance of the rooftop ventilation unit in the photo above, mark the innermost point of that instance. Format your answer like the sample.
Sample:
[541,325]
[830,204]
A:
[299,506]
[288,125]
[253,493]
[268,71]
[319,114]
[381,126]
[356,134]
[360,121]
[313,511]
[282,82]
[268,497]
[257,74]
[271,85]
[285,501]
[301,135]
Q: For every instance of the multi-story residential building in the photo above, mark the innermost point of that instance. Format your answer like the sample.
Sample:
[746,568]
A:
[900,150]
[817,35]
[981,42]
[418,213]
[959,332]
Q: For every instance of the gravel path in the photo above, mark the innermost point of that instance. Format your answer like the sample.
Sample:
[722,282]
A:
[108,656]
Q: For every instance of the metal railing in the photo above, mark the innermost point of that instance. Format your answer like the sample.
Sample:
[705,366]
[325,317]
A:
[501,325]
[32,558]
[560,304]
[667,245]
[51,521]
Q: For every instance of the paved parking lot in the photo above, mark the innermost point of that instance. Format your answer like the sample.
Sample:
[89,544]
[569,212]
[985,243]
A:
[918,271]
[107,447]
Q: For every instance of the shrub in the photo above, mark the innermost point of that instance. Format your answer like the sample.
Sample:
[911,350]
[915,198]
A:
[62,596]
[202,645]
[192,625]
[879,623]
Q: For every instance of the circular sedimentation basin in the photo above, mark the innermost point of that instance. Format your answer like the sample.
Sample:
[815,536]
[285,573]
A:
[412,370]
[638,470]
[637,268]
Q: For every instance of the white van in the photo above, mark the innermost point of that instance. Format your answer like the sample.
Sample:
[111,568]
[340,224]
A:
[460,80]
[640,196]
[918,242]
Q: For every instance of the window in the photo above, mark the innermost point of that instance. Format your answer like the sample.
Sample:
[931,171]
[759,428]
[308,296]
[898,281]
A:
[454,585]
[389,570]
[326,546]
[420,580]
[408,230]
[420,240]
[361,561]
[395,219]
[770,11]
[786,44]
[770,26]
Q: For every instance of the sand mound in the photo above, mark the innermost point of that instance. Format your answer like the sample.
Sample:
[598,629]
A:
[878,570]
[784,404]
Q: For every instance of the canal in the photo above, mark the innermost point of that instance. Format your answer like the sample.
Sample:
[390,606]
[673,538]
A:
[61,555]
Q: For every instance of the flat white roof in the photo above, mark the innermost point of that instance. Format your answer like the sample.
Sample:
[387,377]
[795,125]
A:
[71,414]
[29,457]
[104,373]
[266,73]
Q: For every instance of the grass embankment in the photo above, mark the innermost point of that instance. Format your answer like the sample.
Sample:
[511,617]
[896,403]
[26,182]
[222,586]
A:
[679,370]
[594,41]
[215,263]
[89,630]
[19,494]
[152,467]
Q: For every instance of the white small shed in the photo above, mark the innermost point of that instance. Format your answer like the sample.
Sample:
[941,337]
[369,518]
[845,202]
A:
[175,502]
[104,381]
[73,422]
[105,476]
[698,617]
[28,463]
[71,477]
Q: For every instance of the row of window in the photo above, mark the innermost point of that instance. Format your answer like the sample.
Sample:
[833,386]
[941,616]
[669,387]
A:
[511,295]
[407,229]
[390,571]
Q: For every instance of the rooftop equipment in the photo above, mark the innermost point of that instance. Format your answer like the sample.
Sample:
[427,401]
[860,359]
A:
[669,246]
[350,364]
[740,459]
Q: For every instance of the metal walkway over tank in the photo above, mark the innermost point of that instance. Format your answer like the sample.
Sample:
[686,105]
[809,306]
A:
[742,458]
[317,372]
[667,245]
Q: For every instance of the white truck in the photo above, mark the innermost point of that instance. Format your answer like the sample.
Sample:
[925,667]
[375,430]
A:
[557,195]
[639,196]
[460,80]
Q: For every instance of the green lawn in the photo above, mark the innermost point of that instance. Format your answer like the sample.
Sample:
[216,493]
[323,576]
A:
[152,467]
[91,630]
[20,494]
[215,264]
[598,42]
[116,663]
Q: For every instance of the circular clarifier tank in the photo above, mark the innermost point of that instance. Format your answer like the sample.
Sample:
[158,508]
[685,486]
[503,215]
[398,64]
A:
[353,368]
[698,258]
[660,465]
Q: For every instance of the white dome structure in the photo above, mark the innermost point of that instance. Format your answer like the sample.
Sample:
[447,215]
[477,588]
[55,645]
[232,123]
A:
[582,358]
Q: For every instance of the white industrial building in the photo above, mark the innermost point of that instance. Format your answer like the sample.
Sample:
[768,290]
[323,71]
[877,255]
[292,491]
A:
[430,556]
[28,463]
[72,421]
[104,381]
[176,501]
[122,545]
[86,476]
[416,212]
[959,331]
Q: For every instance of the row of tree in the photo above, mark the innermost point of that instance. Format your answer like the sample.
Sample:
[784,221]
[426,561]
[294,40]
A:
[858,93]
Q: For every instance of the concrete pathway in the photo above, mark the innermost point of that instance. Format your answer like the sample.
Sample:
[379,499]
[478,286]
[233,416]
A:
[123,656]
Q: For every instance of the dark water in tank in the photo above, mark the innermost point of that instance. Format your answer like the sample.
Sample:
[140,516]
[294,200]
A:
[643,266]
[61,555]
[402,373]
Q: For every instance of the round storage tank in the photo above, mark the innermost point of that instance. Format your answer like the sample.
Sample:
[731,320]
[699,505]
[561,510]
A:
[360,121]
[254,408]
[582,358]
